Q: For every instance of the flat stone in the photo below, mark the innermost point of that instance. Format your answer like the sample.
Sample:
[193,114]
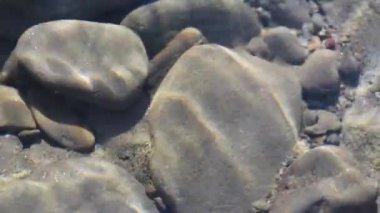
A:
[285,45]
[15,116]
[220,136]
[104,64]
[75,185]
[224,22]
[326,179]
[59,123]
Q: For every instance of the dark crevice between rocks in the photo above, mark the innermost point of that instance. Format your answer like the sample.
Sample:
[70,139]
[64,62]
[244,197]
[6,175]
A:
[320,101]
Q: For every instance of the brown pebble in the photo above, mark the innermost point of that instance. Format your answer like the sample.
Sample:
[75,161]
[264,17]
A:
[314,44]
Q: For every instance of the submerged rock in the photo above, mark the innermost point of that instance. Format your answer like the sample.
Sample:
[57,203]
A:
[327,122]
[285,45]
[219,137]
[326,179]
[290,13]
[75,185]
[15,116]
[319,77]
[225,22]
[258,47]
[350,68]
[98,63]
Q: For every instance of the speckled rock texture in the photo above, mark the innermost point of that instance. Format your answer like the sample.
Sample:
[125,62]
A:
[326,179]
[75,185]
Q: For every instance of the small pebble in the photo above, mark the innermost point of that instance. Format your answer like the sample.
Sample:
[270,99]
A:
[330,43]
[333,139]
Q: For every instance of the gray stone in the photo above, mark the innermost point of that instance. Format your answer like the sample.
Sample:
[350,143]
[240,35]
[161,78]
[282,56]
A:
[59,123]
[290,13]
[15,115]
[326,179]
[211,128]
[285,45]
[327,122]
[319,75]
[258,47]
[350,68]
[75,185]
[309,118]
[104,64]
[225,22]
[318,21]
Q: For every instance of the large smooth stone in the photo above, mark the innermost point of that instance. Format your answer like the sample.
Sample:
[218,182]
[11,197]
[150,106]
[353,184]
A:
[221,126]
[75,185]
[59,123]
[326,179]
[14,114]
[98,63]
[18,15]
[225,22]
